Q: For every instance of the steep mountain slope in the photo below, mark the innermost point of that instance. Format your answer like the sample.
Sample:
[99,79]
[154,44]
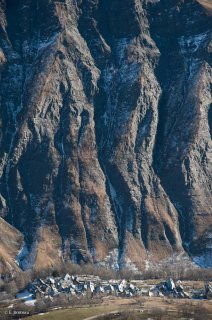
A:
[105,116]
[11,242]
[207,5]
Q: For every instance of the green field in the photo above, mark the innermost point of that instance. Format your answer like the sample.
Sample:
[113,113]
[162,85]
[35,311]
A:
[75,313]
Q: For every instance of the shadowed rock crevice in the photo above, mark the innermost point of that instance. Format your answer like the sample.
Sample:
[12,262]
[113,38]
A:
[210,120]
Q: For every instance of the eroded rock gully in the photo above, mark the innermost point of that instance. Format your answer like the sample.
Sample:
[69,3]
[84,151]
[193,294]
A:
[105,130]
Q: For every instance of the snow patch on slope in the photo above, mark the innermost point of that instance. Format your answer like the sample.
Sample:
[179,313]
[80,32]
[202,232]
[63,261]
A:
[27,297]
[111,260]
[204,260]
[26,258]
[191,44]
[21,256]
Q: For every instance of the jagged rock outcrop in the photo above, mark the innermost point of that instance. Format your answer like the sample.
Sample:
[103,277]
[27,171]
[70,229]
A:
[105,130]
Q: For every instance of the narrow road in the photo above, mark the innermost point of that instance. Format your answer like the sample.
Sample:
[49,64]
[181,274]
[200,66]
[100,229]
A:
[102,315]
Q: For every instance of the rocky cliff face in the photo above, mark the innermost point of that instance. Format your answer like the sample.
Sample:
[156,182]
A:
[105,131]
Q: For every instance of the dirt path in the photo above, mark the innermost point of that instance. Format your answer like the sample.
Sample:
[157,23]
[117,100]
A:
[102,315]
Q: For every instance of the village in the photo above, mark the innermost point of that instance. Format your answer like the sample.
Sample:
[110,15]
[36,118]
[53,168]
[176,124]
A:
[77,286]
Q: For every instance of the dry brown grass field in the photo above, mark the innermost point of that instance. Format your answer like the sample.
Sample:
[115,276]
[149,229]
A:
[135,308]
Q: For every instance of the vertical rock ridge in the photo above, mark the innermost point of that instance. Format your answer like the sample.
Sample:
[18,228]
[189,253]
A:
[183,111]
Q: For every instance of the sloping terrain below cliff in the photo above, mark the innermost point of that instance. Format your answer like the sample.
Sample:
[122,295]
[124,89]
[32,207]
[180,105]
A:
[105,131]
